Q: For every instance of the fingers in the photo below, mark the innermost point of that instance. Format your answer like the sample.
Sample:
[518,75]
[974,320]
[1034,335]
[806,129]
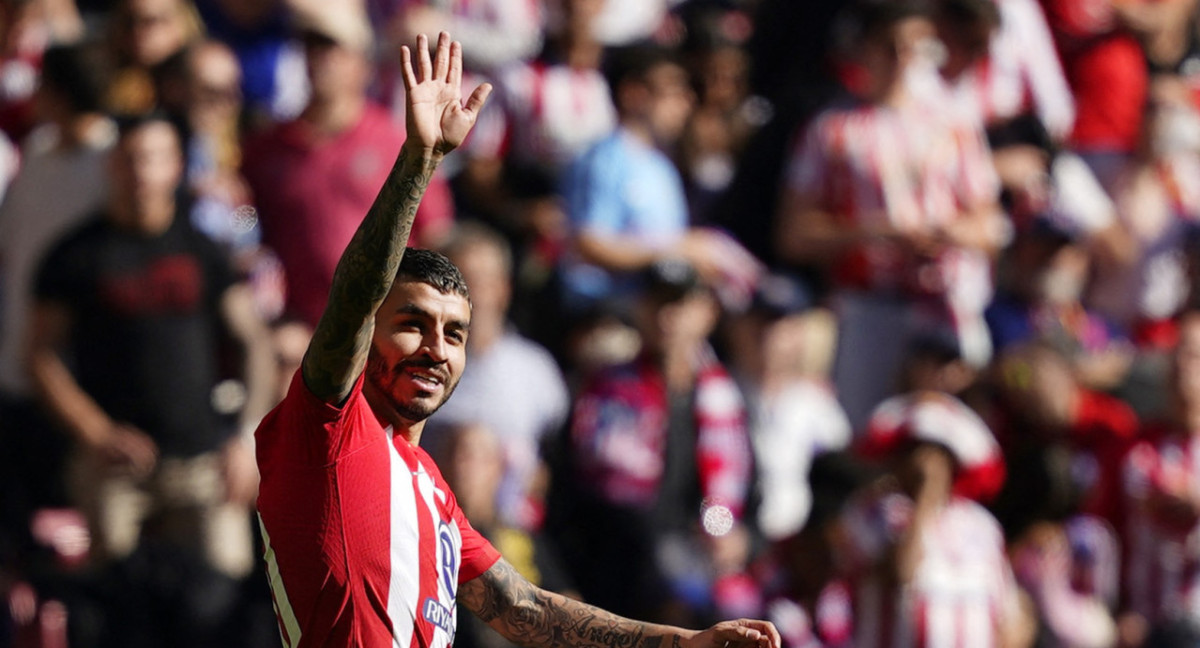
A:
[455,79]
[478,97]
[749,632]
[425,65]
[441,62]
[406,68]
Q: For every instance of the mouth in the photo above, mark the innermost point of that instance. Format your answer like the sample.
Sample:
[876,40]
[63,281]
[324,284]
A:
[426,378]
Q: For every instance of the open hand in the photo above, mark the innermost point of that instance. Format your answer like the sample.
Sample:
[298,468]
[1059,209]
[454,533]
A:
[740,633]
[436,118]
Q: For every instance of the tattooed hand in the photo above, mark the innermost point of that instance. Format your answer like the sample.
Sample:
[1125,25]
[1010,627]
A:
[436,118]
[533,617]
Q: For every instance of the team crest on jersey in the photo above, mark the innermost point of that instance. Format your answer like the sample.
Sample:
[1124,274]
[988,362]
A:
[449,559]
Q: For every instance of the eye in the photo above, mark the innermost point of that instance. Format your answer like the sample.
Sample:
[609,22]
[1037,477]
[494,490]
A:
[457,336]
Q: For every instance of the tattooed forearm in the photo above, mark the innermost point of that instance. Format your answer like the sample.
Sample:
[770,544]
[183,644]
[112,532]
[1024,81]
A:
[531,616]
[364,275]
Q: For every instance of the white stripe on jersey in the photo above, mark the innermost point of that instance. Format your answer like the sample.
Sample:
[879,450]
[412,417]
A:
[447,581]
[289,630]
[405,584]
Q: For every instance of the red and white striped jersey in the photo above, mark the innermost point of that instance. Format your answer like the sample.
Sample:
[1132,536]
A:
[962,591]
[912,167]
[1021,73]
[552,112]
[1162,576]
[365,543]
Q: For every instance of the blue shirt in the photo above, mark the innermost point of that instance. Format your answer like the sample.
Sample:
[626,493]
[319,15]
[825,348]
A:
[620,187]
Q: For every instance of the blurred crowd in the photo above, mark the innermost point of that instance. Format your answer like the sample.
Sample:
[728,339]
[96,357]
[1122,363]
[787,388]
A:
[878,319]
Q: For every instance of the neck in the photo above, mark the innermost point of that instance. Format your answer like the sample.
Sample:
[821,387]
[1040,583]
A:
[893,95]
[150,219]
[388,416]
[581,52]
[334,115]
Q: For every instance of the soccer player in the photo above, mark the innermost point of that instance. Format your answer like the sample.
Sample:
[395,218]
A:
[365,543]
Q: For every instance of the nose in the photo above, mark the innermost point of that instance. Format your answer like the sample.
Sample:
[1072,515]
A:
[434,346]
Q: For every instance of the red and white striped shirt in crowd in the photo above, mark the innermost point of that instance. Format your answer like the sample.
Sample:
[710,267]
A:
[552,113]
[499,31]
[1021,73]
[912,167]
[365,543]
[962,592]
[1162,575]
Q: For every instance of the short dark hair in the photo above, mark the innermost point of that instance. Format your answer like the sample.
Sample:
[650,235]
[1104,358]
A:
[874,18]
[968,13]
[634,63]
[77,74]
[434,269]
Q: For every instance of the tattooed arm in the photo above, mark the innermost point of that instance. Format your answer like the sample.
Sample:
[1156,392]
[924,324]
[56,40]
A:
[533,617]
[437,121]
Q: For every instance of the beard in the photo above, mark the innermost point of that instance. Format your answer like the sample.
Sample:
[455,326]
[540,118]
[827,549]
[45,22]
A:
[383,378]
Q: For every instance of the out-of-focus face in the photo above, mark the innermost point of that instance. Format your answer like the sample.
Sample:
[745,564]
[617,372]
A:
[486,274]
[419,348]
[147,166]
[214,88]
[334,70]
[887,56]
[670,101]
[682,324]
[156,29]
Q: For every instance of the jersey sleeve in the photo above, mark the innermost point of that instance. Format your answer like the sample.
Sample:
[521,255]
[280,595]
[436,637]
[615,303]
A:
[478,554]
[305,430]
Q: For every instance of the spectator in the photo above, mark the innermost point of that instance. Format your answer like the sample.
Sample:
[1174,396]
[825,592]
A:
[1042,299]
[660,462]
[123,353]
[145,36]
[897,205]
[512,386]
[221,206]
[780,354]
[61,182]
[1158,202]
[558,105]
[1162,488]
[1044,405]
[314,177]
[273,80]
[1001,64]
[625,199]
[804,594]
[926,566]
[1106,69]
[501,31]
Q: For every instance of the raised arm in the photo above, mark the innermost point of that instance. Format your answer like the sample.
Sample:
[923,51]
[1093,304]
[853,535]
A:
[533,617]
[437,122]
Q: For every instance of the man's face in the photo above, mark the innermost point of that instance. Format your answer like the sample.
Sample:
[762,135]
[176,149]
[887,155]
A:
[670,101]
[418,350]
[147,166]
[887,55]
[334,70]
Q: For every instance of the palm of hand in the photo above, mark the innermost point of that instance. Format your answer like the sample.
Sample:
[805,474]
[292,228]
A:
[436,118]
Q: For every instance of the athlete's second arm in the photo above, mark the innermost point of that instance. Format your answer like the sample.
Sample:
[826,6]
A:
[533,617]
[437,121]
